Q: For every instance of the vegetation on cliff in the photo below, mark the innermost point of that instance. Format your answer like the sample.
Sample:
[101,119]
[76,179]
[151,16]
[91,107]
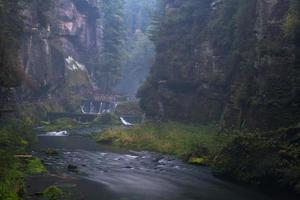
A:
[220,61]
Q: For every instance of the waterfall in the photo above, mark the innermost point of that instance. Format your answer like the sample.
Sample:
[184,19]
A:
[97,107]
[82,109]
[92,108]
[46,46]
[100,108]
[124,122]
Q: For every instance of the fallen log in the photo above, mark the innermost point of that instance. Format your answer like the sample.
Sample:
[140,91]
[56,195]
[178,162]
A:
[23,156]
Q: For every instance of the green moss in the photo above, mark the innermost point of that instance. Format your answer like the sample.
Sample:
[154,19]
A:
[197,161]
[53,193]
[35,166]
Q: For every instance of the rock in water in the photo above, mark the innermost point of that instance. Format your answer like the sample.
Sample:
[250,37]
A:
[73,168]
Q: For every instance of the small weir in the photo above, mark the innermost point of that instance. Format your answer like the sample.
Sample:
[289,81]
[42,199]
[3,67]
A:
[90,110]
[97,107]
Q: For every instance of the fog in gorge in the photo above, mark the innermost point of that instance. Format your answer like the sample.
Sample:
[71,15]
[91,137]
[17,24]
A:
[149,99]
[139,51]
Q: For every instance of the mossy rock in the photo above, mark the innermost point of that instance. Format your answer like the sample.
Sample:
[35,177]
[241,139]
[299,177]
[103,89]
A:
[35,166]
[53,193]
[73,168]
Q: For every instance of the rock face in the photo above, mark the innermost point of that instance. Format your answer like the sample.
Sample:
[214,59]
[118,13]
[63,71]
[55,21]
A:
[225,61]
[51,51]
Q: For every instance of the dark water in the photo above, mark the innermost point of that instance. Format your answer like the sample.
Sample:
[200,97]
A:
[112,174]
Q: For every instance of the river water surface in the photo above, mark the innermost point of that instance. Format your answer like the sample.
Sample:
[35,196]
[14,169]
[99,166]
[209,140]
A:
[113,174]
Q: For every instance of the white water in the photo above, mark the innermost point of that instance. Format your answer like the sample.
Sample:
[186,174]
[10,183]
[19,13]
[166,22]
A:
[73,65]
[125,122]
[56,134]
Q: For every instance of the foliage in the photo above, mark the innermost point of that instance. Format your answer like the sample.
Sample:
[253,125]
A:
[107,119]
[35,166]
[60,124]
[186,141]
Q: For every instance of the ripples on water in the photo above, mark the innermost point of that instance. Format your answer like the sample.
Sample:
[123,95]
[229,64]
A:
[138,175]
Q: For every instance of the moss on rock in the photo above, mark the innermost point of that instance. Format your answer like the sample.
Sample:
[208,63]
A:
[53,193]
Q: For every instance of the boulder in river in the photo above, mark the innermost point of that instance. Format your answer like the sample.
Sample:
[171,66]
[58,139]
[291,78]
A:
[50,152]
[73,168]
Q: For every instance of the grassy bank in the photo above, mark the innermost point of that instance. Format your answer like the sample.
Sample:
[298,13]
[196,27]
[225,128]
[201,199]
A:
[196,144]
[269,159]
[15,139]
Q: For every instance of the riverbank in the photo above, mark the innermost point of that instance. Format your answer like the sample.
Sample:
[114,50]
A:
[193,143]
[269,160]
[16,163]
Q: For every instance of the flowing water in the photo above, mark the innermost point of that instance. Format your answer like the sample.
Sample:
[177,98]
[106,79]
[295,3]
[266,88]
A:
[113,174]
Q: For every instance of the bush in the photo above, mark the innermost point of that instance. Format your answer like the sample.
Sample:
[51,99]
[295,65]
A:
[107,119]
[268,159]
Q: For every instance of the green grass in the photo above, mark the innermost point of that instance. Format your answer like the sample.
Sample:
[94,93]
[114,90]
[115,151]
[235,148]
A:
[60,124]
[35,166]
[191,142]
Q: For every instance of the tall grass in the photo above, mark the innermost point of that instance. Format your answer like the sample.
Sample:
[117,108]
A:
[174,138]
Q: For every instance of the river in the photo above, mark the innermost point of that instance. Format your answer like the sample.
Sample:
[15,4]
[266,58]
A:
[113,174]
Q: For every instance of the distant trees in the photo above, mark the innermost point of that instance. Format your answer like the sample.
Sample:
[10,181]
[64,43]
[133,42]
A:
[138,51]
[107,71]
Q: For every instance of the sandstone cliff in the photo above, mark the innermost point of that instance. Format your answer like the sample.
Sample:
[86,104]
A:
[225,61]
[53,53]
